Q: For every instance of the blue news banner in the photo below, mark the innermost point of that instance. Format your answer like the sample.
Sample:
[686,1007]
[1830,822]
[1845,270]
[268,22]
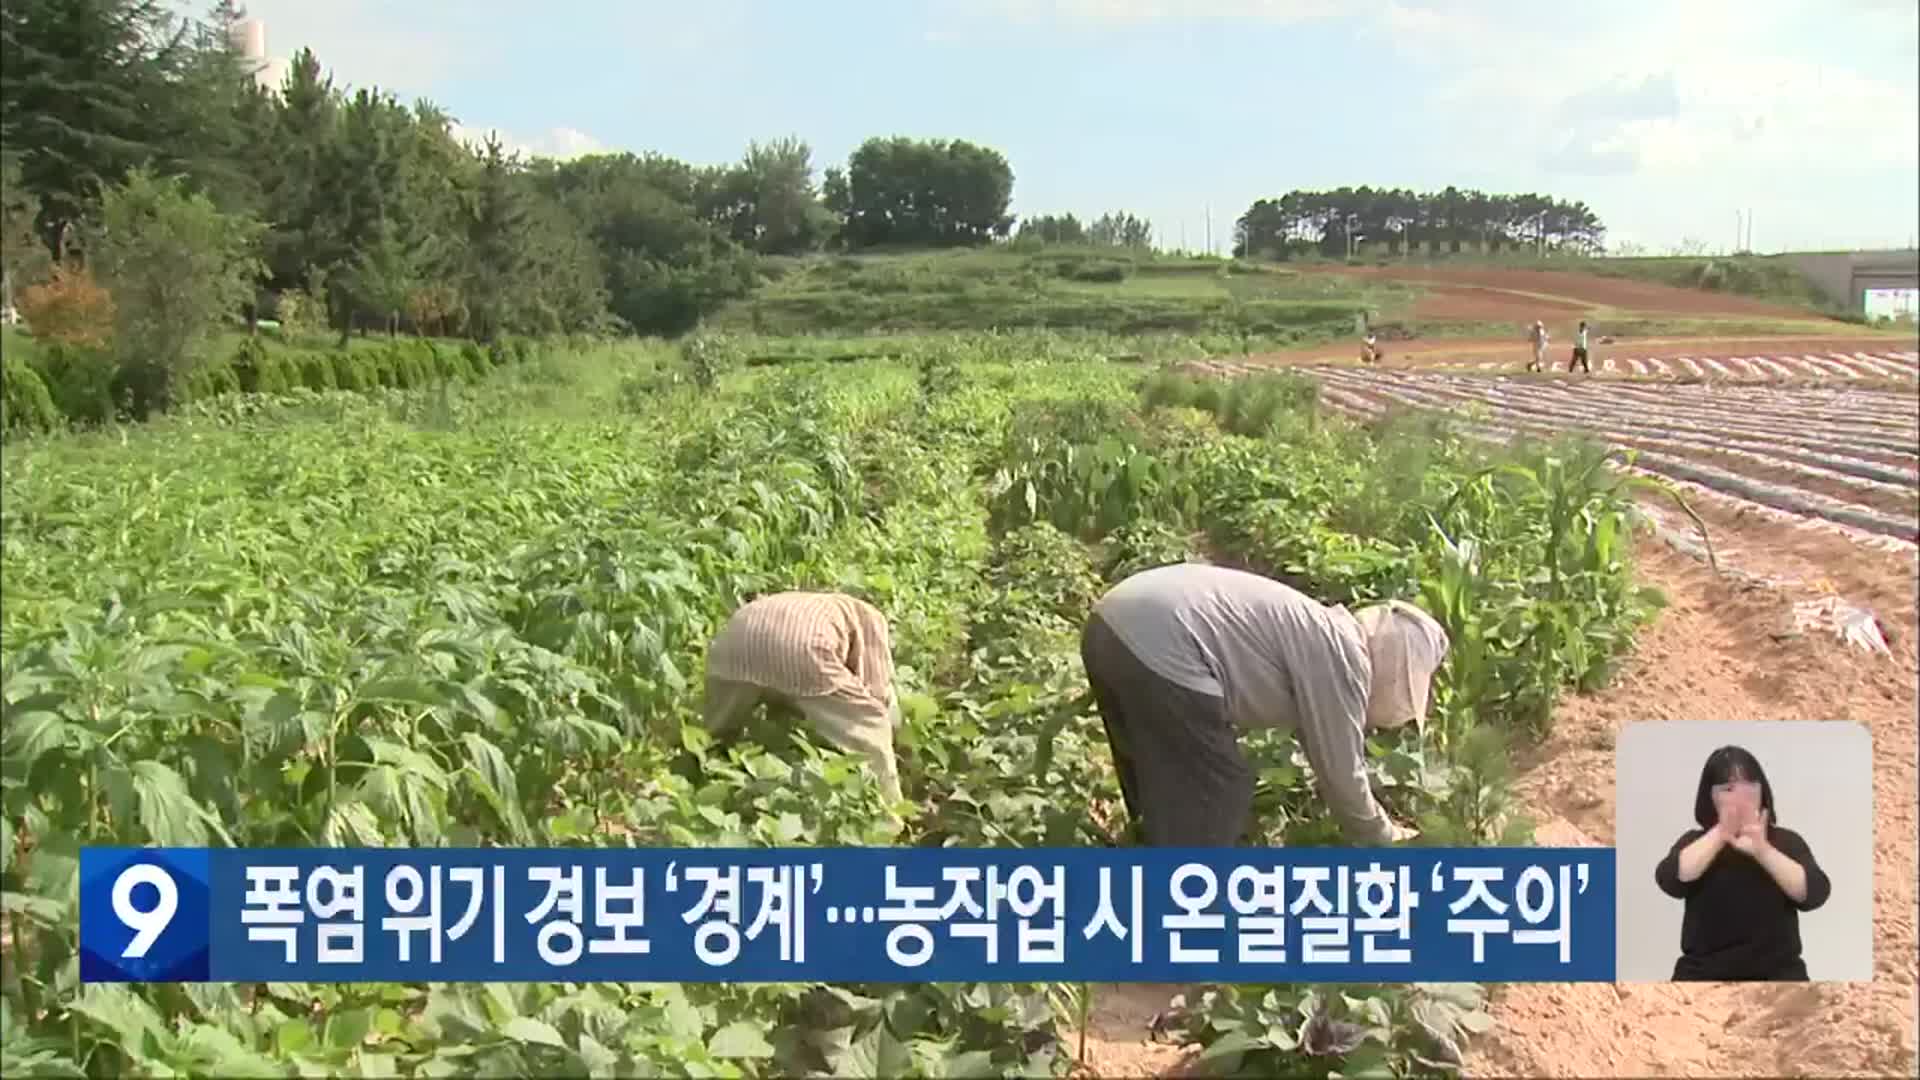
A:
[847,915]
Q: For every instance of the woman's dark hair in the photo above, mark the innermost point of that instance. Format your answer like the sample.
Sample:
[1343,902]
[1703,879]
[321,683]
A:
[1724,765]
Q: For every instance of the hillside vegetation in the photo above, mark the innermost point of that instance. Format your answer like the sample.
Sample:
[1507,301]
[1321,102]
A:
[1113,291]
[1760,277]
[1298,301]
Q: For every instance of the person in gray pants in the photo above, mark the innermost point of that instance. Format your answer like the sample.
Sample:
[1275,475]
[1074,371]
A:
[1183,658]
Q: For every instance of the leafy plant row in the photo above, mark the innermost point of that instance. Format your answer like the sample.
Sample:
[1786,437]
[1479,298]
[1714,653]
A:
[373,626]
[1524,557]
[55,385]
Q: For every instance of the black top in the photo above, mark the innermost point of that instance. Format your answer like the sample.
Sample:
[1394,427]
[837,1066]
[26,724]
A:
[1739,925]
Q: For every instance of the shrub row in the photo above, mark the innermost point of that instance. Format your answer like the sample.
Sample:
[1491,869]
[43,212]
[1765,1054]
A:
[56,385]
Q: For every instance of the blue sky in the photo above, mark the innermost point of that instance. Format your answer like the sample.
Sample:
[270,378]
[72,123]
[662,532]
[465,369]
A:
[1667,116]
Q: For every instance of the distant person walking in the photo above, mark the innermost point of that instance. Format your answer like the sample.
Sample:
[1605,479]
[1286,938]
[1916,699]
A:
[1580,349]
[828,655]
[1538,336]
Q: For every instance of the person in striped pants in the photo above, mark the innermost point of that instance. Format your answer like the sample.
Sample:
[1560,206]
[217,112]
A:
[828,655]
[1184,658]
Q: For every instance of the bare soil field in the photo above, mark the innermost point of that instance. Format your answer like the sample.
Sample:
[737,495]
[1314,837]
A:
[1495,293]
[1807,492]
[1772,362]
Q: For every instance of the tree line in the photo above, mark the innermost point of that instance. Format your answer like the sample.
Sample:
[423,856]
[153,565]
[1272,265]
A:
[356,211]
[1118,230]
[1348,219]
[151,190]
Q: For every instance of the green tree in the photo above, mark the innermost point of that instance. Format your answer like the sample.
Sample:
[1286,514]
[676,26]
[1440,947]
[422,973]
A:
[1060,229]
[1120,230]
[224,118]
[384,274]
[661,233]
[178,268]
[87,91]
[926,193]
[784,211]
[304,236]
[23,258]
[498,236]
[565,288]
[385,236]
[1401,218]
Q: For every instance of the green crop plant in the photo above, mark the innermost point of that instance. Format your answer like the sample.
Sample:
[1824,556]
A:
[25,404]
[444,613]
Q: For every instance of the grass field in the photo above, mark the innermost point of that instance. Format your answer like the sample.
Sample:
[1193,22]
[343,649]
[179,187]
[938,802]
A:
[476,614]
[1091,290]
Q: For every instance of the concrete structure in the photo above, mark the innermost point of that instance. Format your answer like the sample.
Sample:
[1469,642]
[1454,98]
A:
[249,36]
[1845,277]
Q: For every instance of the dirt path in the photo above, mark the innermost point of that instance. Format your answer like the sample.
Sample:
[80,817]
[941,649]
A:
[1711,655]
[1480,291]
[1117,1033]
[1514,353]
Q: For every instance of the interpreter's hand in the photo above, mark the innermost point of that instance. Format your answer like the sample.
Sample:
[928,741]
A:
[1752,837]
[1735,806]
[1729,824]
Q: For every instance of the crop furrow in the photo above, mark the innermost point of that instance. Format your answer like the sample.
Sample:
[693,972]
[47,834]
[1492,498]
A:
[1825,453]
[1847,366]
[1605,400]
[1766,365]
[1755,417]
[1873,365]
[1755,489]
[1829,367]
[1359,405]
[1846,400]
[1844,418]
[1867,475]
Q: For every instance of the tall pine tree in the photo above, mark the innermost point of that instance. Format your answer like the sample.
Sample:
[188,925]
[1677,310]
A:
[87,92]
[497,242]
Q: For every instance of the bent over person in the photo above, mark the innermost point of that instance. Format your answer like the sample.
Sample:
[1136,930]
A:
[1183,658]
[828,655]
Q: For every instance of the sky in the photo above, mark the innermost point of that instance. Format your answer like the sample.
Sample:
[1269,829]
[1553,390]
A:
[1673,119]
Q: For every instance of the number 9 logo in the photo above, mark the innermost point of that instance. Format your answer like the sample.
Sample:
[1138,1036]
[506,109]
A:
[148,925]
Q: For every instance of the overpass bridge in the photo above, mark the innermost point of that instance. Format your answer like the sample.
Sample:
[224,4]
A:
[1847,277]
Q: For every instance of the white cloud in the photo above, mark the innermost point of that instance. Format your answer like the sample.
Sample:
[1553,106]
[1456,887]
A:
[1695,86]
[558,142]
[1265,10]
[1133,11]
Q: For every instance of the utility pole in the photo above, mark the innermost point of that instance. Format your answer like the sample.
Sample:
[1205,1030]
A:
[1209,230]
